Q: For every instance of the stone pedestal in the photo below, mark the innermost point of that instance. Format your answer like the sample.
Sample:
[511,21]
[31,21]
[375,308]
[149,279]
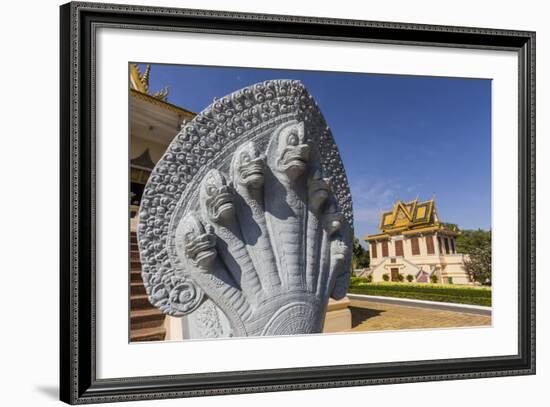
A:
[338,317]
[173,329]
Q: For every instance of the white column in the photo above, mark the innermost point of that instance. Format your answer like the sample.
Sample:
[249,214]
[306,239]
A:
[422,245]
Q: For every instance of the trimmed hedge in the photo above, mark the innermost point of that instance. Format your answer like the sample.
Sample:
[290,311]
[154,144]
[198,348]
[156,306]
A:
[430,292]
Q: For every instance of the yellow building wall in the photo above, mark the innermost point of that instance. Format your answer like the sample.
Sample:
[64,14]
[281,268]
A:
[138,145]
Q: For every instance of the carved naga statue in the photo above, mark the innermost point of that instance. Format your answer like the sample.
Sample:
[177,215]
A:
[249,209]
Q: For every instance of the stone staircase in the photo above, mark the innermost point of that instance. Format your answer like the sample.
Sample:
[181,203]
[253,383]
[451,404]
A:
[146,321]
[414,266]
[387,261]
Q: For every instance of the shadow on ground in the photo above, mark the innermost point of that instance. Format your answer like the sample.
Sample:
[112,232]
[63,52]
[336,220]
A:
[360,315]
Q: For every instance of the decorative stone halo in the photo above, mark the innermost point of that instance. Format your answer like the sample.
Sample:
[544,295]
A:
[209,141]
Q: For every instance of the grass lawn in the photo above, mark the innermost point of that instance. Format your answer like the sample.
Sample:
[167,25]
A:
[460,294]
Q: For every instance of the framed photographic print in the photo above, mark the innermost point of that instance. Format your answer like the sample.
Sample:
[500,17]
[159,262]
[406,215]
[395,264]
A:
[245,198]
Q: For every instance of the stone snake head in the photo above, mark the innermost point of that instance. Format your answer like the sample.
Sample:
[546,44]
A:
[292,154]
[217,198]
[198,242]
[248,166]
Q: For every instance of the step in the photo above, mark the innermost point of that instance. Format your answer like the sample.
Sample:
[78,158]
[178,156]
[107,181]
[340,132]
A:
[134,246]
[135,265]
[135,276]
[134,255]
[146,318]
[148,334]
[139,302]
[137,288]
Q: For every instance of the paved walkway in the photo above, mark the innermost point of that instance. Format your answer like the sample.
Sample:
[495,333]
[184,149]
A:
[375,316]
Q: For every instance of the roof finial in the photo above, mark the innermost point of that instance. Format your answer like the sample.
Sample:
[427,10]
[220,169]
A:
[145,77]
[161,94]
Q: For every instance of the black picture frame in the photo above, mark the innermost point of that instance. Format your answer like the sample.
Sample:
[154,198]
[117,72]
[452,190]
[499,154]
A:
[78,382]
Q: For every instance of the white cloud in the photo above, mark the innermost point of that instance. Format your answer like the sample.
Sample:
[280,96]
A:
[368,215]
[372,197]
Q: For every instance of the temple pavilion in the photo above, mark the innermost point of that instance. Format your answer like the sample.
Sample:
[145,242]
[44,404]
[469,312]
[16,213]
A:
[413,241]
[153,123]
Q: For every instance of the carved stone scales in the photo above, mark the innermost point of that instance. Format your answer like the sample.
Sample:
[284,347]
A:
[250,207]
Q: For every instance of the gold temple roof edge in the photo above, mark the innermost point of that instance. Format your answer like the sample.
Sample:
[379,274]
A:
[151,99]
[421,217]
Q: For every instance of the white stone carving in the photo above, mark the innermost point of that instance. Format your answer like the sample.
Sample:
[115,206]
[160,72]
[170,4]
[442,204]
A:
[250,208]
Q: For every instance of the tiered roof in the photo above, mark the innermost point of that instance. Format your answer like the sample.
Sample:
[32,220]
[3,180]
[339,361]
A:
[411,218]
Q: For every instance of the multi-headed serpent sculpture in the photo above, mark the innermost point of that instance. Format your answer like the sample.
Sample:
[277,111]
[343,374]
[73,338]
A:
[250,208]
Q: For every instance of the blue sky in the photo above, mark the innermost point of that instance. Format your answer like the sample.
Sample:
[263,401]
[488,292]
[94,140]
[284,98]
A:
[400,137]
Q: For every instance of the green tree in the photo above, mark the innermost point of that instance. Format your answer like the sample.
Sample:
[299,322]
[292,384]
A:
[477,245]
[360,256]
[451,226]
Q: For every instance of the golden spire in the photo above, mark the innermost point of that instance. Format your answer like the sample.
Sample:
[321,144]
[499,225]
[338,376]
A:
[140,82]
